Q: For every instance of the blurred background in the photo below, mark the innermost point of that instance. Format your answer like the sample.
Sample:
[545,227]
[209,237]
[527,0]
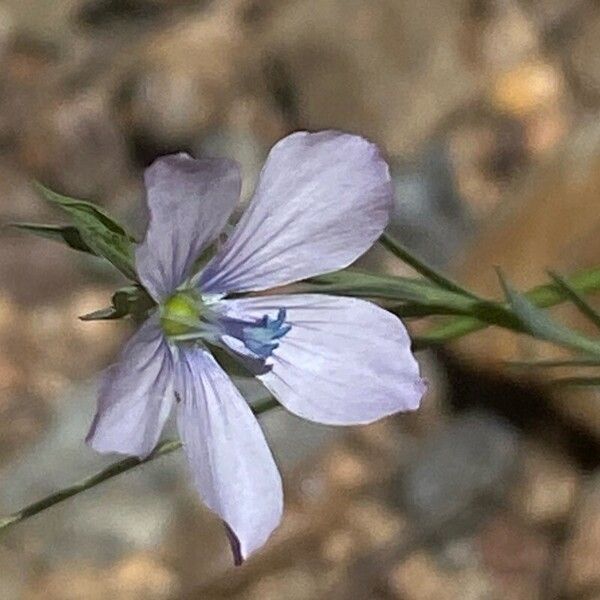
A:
[488,111]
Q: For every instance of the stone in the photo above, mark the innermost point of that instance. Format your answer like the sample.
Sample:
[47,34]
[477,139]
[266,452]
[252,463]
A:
[143,576]
[374,524]
[135,578]
[515,555]
[209,80]
[555,14]
[428,205]
[75,145]
[51,22]
[346,469]
[582,57]
[420,578]
[527,87]
[412,71]
[581,565]
[506,36]
[548,486]
[6,29]
[472,458]
[295,584]
[339,546]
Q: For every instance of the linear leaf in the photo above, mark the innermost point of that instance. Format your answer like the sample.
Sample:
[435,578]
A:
[540,325]
[98,230]
[550,364]
[543,296]
[122,466]
[421,267]
[416,297]
[578,300]
[577,381]
[61,233]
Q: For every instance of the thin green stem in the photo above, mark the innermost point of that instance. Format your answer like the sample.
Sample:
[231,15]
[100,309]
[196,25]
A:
[393,246]
[121,466]
[577,381]
[538,324]
[578,300]
[551,364]
[544,296]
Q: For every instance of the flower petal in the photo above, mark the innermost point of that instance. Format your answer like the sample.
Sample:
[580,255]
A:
[344,361]
[232,466]
[189,203]
[321,201]
[136,396]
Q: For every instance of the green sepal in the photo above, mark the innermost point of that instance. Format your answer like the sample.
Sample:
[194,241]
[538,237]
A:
[131,300]
[98,231]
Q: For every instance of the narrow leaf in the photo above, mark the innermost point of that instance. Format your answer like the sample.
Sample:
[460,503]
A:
[351,282]
[100,232]
[61,233]
[540,325]
[122,466]
[418,265]
[550,364]
[416,297]
[578,300]
[577,381]
[543,296]
[77,207]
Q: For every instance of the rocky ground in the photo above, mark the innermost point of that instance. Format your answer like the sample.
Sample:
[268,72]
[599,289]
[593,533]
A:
[488,111]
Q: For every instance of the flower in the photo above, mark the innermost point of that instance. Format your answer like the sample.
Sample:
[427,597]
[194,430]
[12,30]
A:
[321,201]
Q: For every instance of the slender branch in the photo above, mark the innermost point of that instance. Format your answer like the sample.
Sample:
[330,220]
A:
[576,381]
[538,324]
[550,364]
[543,296]
[399,251]
[578,300]
[121,466]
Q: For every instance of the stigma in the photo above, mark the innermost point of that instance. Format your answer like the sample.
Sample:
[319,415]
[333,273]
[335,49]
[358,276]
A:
[181,314]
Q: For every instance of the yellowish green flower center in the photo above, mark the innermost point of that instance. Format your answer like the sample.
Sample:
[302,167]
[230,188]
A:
[180,313]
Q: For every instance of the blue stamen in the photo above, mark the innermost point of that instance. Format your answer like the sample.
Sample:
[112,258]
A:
[260,337]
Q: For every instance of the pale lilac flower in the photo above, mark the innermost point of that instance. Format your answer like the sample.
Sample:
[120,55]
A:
[321,201]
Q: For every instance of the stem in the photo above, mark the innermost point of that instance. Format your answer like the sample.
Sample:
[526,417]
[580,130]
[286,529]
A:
[551,364]
[543,296]
[390,244]
[121,466]
[578,300]
[577,381]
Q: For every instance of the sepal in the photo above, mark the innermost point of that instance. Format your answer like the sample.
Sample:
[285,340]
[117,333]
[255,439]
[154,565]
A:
[131,301]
